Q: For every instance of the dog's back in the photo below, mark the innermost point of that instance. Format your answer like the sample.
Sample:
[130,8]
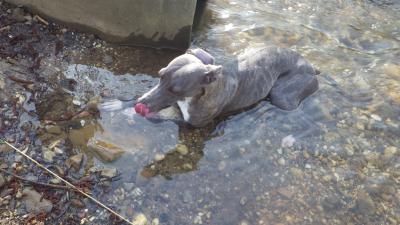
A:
[257,72]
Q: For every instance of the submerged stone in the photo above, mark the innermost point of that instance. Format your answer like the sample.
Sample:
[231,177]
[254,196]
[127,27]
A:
[34,202]
[106,151]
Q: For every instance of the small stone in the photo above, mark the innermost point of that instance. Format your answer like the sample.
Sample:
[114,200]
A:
[2,181]
[187,166]
[19,194]
[159,157]
[58,150]
[49,156]
[389,152]
[327,178]
[108,172]
[75,161]
[155,221]
[364,203]
[308,166]
[286,191]
[55,181]
[288,141]
[106,151]
[221,165]
[392,70]
[296,172]
[139,219]
[18,14]
[77,203]
[243,200]
[128,186]
[376,117]
[34,202]
[107,60]
[53,129]
[2,83]
[182,149]
[281,161]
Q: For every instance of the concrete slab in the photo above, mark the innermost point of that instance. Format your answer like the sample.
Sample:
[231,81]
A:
[155,23]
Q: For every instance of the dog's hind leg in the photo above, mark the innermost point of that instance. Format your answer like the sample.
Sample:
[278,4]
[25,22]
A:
[289,90]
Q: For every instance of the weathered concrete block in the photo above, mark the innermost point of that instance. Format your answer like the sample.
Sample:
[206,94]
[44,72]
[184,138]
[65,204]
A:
[156,23]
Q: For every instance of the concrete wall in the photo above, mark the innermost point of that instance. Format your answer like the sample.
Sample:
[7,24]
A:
[156,23]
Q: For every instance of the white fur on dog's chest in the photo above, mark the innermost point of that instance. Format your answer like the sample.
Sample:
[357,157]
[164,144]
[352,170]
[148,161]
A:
[184,107]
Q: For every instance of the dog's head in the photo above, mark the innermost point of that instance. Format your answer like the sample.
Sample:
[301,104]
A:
[185,76]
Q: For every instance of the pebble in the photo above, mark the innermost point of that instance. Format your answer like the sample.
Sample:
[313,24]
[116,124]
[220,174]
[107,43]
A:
[2,83]
[108,152]
[182,149]
[376,117]
[2,180]
[281,161]
[107,60]
[221,165]
[34,202]
[53,129]
[155,221]
[159,157]
[49,156]
[288,141]
[108,172]
[75,161]
[128,186]
[389,152]
[364,203]
[139,219]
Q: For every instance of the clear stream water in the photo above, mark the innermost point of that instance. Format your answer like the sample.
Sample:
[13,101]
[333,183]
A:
[334,160]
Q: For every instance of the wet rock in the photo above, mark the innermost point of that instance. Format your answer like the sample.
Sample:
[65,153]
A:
[18,14]
[296,172]
[2,83]
[155,221]
[77,203]
[107,60]
[332,204]
[182,149]
[34,202]
[392,70]
[53,129]
[75,161]
[389,152]
[159,157]
[379,186]
[48,156]
[140,219]
[128,186]
[281,161]
[108,172]
[187,197]
[286,191]
[364,203]
[105,151]
[2,181]
[288,141]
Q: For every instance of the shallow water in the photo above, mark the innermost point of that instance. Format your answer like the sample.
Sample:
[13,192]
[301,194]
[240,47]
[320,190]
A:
[334,160]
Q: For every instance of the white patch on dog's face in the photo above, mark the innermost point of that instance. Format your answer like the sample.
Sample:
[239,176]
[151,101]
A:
[184,107]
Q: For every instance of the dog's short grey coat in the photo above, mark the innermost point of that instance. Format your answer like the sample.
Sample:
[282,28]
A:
[205,91]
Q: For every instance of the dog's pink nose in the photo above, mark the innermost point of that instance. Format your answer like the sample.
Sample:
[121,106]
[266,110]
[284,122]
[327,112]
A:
[142,109]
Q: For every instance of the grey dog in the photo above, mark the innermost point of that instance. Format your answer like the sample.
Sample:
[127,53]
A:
[204,91]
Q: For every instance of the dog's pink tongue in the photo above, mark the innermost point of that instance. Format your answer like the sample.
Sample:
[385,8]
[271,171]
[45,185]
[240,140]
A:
[142,109]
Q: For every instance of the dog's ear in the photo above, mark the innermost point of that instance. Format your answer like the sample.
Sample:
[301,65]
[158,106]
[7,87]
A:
[212,72]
